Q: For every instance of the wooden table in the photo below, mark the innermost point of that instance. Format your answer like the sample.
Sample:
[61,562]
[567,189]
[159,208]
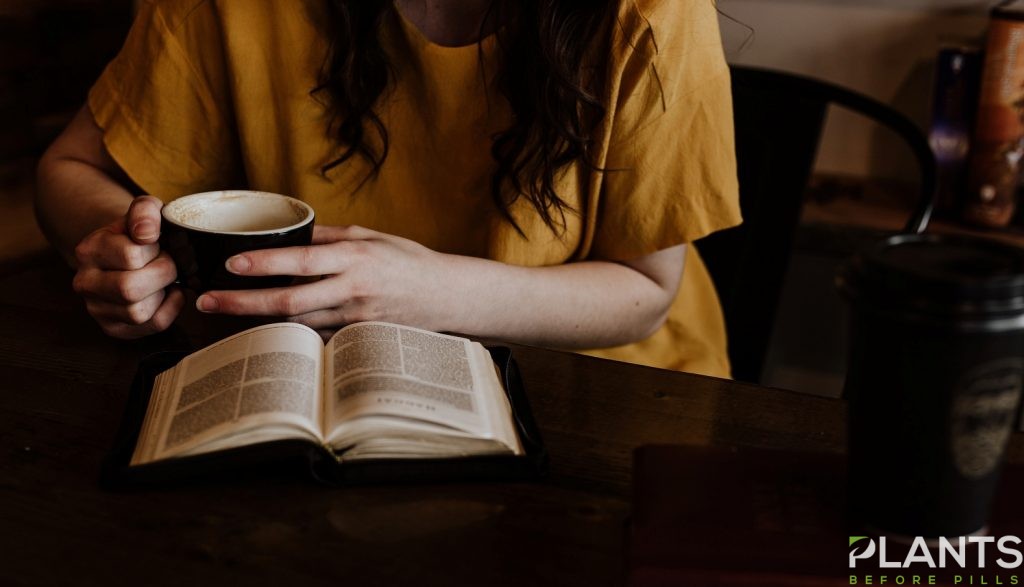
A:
[63,385]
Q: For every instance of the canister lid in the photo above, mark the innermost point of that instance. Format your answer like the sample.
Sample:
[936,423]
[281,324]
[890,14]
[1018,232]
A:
[938,274]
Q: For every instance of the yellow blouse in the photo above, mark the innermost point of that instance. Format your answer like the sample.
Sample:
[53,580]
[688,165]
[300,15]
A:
[213,95]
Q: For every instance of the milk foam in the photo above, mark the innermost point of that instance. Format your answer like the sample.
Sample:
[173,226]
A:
[235,212]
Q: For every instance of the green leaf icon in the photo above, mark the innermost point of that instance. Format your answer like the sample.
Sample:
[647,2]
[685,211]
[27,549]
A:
[854,539]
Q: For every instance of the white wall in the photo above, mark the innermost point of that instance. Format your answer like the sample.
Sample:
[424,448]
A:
[884,48]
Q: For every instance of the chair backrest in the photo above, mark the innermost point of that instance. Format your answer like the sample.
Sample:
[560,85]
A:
[779,119]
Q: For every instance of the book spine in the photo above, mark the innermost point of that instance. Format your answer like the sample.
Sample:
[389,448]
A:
[997,148]
[955,102]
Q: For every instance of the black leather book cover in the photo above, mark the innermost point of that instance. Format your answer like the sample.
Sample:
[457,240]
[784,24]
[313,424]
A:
[300,457]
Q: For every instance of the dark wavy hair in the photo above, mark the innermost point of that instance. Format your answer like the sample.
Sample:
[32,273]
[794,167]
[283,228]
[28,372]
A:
[552,70]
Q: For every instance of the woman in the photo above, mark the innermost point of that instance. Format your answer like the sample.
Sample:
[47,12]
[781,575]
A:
[522,170]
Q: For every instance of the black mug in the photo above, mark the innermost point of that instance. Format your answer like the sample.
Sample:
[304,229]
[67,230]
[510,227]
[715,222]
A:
[933,381]
[202,231]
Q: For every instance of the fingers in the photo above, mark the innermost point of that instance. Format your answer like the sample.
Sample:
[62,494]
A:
[123,275]
[323,235]
[137,313]
[310,261]
[322,320]
[143,220]
[161,320]
[108,249]
[126,287]
[347,242]
[282,301]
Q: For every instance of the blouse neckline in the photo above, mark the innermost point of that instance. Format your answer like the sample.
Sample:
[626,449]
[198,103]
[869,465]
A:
[414,33]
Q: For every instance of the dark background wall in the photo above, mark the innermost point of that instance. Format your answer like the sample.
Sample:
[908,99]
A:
[50,53]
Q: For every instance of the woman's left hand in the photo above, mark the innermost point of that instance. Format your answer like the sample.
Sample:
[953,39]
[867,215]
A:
[364,275]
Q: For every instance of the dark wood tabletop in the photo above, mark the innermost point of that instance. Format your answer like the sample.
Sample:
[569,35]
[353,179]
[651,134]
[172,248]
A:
[63,385]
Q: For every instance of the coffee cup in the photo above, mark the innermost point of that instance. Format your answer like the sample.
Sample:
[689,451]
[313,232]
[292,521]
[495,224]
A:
[934,380]
[202,231]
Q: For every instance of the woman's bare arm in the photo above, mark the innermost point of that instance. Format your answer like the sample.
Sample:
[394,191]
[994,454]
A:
[80,187]
[85,207]
[590,304]
[369,275]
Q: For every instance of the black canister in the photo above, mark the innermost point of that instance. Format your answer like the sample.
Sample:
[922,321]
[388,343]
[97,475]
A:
[933,381]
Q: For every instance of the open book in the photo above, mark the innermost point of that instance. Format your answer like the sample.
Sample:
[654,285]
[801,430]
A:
[374,391]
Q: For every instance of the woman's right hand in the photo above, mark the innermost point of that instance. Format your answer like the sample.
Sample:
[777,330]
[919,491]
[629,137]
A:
[124,276]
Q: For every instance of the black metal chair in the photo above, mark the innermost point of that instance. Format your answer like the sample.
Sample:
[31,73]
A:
[779,119]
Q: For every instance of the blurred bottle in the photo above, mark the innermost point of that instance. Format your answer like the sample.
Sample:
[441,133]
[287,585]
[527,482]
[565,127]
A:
[957,75]
[998,144]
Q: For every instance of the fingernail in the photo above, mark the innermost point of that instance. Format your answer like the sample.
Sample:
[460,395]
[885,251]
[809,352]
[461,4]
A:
[144,230]
[239,264]
[206,303]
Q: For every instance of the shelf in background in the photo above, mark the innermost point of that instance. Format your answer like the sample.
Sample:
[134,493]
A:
[879,208]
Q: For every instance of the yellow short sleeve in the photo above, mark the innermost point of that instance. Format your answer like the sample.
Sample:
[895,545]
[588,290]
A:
[670,169]
[164,110]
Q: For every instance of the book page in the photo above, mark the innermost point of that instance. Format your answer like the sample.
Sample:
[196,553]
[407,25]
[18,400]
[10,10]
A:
[379,437]
[378,369]
[267,377]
